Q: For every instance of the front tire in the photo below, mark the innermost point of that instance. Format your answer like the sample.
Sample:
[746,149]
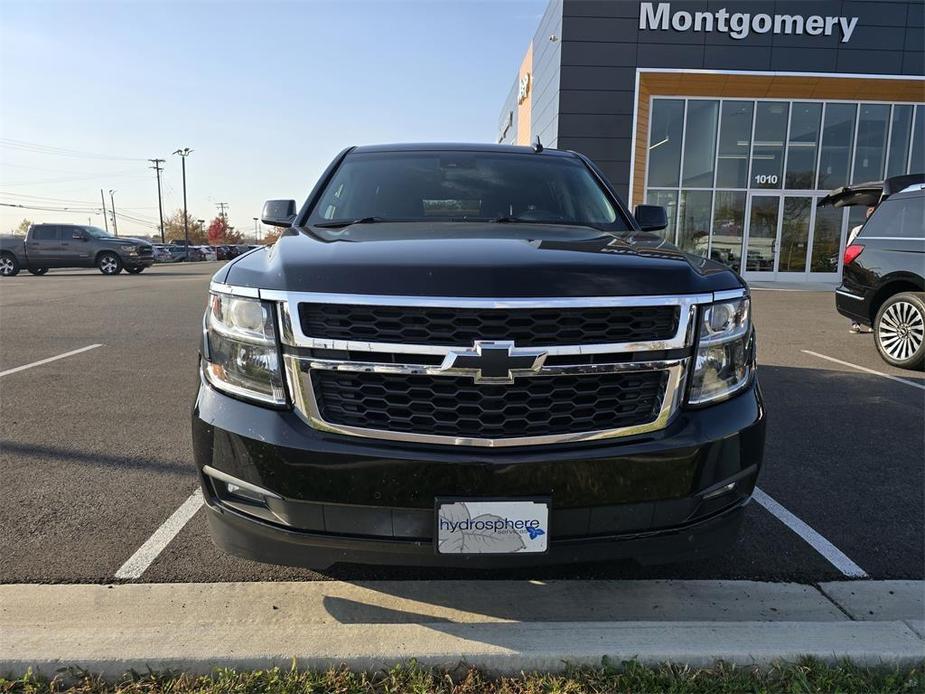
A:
[38,270]
[9,266]
[134,270]
[109,264]
[899,330]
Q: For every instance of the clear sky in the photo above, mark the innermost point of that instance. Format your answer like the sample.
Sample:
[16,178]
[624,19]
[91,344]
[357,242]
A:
[265,94]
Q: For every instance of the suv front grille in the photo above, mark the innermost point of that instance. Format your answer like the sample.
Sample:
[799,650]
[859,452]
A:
[528,327]
[430,370]
[458,407]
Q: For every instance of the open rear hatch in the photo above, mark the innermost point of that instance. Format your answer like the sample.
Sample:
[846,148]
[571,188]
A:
[870,193]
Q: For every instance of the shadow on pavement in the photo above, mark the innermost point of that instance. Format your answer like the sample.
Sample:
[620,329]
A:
[96,459]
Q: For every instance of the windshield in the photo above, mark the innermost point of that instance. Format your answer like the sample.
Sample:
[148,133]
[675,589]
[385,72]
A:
[97,233]
[465,186]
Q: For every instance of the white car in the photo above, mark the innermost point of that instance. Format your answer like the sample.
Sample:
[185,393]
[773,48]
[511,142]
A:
[209,252]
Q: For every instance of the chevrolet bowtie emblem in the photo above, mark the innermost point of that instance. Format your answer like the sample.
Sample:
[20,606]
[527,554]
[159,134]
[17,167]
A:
[493,362]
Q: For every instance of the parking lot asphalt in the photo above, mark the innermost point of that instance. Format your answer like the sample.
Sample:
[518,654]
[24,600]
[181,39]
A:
[95,447]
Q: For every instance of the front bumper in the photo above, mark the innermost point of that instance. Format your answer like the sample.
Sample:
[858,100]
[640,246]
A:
[138,261]
[665,496]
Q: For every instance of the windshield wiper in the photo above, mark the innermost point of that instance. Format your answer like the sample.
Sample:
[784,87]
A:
[338,223]
[508,219]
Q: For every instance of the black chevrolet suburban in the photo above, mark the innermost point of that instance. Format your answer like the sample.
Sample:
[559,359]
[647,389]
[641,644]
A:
[474,355]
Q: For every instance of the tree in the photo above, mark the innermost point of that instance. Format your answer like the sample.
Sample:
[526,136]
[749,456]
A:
[219,232]
[270,236]
[22,228]
[173,229]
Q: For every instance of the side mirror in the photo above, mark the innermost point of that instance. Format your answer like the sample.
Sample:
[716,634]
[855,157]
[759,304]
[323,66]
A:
[651,217]
[278,213]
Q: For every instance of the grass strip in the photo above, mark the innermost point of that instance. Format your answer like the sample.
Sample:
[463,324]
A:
[805,677]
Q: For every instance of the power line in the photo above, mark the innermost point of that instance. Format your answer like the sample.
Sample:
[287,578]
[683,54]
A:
[36,148]
[78,210]
[221,206]
[46,198]
[129,174]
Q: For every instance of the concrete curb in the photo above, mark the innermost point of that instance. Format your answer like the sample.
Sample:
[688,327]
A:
[502,627]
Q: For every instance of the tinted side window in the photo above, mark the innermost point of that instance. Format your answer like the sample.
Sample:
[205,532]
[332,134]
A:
[46,232]
[903,217]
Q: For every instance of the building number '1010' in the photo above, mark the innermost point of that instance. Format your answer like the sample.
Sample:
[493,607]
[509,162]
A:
[766,179]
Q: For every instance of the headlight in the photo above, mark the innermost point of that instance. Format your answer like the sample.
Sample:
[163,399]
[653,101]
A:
[243,356]
[723,361]
[132,250]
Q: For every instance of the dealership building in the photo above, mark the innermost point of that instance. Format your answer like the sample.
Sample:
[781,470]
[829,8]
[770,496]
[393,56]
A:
[735,116]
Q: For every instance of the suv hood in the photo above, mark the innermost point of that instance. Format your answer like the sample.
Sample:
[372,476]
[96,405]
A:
[470,259]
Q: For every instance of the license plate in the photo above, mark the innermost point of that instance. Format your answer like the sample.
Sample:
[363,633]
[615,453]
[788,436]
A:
[492,527]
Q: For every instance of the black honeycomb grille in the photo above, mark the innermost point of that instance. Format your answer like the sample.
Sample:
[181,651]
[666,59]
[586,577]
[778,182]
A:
[456,406]
[538,327]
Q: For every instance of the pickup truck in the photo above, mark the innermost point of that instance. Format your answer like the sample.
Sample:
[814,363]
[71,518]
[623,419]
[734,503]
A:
[71,245]
[474,356]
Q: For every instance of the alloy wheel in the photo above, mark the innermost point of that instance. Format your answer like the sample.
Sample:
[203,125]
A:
[902,330]
[6,266]
[108,264]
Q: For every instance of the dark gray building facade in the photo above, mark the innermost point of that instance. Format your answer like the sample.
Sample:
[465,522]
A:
[736,116]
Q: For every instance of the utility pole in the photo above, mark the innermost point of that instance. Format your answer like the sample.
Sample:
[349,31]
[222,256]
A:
[184,153]
[256,231]
[115,225]
[160,206]
[221,208]
[105,221]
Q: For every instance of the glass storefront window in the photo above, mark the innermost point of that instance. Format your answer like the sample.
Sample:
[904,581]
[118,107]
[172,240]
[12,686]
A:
[762,233]
[917,163]
[669,200]
[826,239]
[728,227]
[837,141]
[794,233]
[869,155]
[740,178]
[700,144]
[900,134]
[801,149]
[735,137]
[768,147]
[694,221]
[665,142]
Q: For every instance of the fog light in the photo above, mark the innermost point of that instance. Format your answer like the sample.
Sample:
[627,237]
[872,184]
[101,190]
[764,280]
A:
[725,489]
[242,493]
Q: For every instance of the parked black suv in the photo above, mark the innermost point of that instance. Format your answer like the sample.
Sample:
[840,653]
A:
[882,283]
[471,355]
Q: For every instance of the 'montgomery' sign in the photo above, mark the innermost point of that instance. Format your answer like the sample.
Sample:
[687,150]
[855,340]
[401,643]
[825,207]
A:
[740,24]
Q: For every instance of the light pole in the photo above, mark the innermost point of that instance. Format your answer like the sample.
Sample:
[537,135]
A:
[112,200]
[256,231]
[184,153]
[202,228]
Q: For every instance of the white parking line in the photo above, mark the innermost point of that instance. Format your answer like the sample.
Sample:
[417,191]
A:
[139,562]
[866,370]
[50,359]
[832,554]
